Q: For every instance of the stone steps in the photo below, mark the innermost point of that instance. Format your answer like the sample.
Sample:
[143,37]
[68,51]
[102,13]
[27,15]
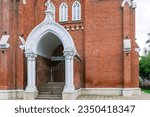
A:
[51,91]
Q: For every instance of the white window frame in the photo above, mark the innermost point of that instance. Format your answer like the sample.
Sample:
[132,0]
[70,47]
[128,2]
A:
[76,11]
[63,12]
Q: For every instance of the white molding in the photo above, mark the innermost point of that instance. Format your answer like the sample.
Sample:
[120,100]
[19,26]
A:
[100,91]
[4,42]
[31,49]
[71,95]
[127,45]
[128,1]
[48,26]
[134,5]
[11,94]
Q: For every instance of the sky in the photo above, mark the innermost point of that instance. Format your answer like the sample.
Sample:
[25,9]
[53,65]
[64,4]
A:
[142,22]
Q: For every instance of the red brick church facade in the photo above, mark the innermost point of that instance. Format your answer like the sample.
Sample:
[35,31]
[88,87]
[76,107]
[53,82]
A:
[92,40]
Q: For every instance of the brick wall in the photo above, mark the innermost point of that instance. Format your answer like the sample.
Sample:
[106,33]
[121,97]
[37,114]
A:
[103,43]
[99,44]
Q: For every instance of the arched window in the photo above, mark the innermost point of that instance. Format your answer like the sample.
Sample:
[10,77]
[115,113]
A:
[76,11]
[53,10]
[63,12]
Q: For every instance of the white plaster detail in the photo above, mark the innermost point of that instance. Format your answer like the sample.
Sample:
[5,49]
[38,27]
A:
[48,26]
[127,45]
[77,28]
[68,29]
[128,1]
[71,95]
[11,94]
[134,5]
[69,56]
[131,3]
[72,28]
[4,42]
[31,50]
[23,42]
[31,88]
[50,10]
[127,92]
[102,92]
[24,1]
[137,50]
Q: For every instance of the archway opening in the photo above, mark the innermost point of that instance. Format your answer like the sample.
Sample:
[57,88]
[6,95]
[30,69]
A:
[44,41]
[50,60]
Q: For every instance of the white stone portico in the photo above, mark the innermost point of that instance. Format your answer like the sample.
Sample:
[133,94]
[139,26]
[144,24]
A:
[48,34]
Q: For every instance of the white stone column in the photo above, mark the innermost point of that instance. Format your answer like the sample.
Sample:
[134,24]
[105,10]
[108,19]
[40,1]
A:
[69,76]
[31,89]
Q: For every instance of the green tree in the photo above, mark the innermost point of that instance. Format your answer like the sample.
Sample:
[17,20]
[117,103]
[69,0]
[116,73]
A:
[145,67]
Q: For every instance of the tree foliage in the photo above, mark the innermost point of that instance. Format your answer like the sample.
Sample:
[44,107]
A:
[145,67]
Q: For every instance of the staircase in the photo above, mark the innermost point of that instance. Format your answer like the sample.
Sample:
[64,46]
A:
[51,91]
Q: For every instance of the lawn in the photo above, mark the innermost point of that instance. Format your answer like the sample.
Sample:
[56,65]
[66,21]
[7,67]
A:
[146,91]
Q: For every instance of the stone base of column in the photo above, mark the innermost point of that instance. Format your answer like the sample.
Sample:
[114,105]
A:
[69,95]
[69,89]
[30,95]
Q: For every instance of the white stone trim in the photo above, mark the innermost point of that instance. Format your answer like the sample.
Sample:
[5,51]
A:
[31,45]
[124,2]
[48,26]
[131,3]
[127,45]
[4,42]
[11,94]
[31,70]
[134,5]
[101,91]
[69,81]
[71,95]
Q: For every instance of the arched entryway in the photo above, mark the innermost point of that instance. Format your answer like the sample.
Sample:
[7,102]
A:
[43,40]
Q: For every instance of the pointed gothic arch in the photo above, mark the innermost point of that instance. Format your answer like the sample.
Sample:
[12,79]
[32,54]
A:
[63,12]
[76,11]
[48,27]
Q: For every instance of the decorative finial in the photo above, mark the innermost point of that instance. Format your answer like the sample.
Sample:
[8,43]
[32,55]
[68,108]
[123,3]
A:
[48,4]
[49,11]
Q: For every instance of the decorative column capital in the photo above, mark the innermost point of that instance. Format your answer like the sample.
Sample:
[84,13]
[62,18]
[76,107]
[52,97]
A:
[69,53]
[30,55]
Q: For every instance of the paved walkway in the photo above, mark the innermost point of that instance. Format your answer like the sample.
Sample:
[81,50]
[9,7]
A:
[143,96]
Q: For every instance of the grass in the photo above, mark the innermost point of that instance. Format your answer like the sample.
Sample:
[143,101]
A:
[146,91]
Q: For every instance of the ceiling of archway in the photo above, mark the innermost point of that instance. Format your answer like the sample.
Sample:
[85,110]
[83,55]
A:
[47,45]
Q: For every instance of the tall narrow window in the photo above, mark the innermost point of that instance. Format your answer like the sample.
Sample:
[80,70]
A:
[53,10]
[63,12]
[76,11]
